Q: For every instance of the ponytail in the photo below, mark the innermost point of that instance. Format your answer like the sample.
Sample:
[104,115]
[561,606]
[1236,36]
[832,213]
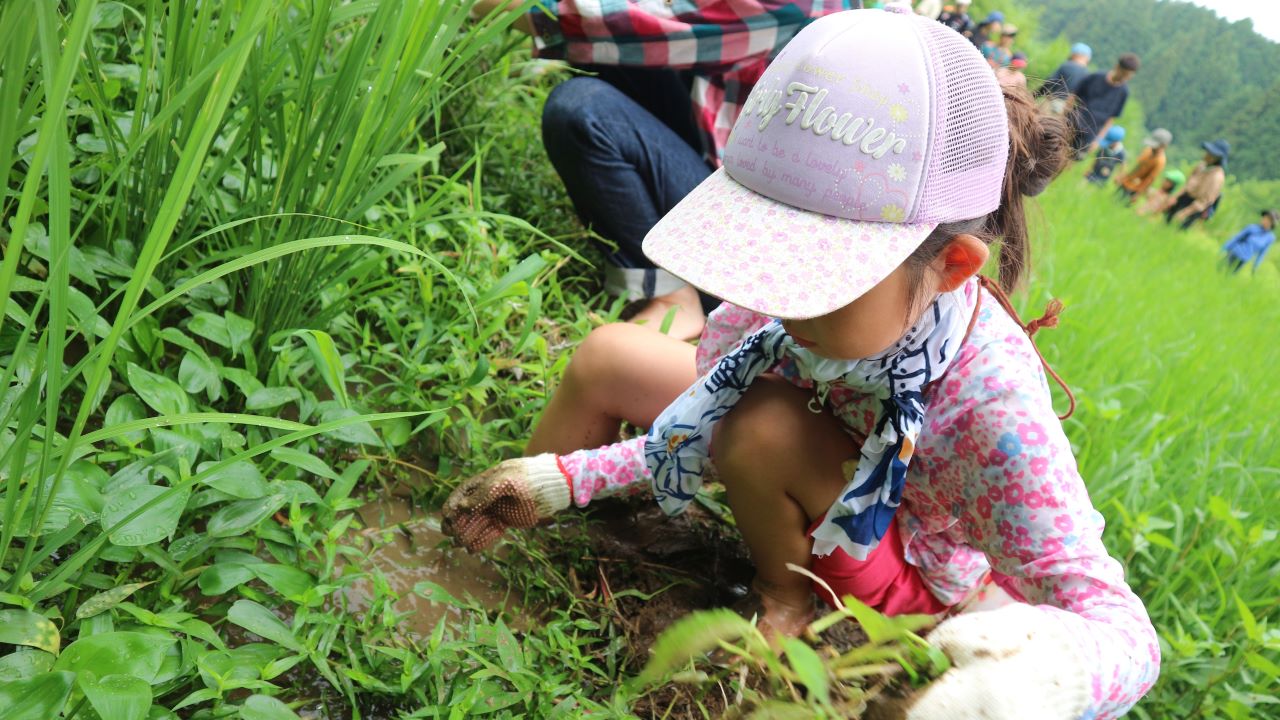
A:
[1039,149]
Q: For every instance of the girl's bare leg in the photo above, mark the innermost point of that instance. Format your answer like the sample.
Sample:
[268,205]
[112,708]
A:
[781,465]
[620,372]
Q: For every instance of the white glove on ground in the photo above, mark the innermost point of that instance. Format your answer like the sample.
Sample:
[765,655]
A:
[1014,663]
[515,493]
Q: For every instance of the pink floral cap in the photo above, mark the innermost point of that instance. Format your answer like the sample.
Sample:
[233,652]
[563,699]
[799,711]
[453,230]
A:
[869,129]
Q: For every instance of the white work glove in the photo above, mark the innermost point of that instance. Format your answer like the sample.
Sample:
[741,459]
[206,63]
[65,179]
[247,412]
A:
[1014,663]
[515,493]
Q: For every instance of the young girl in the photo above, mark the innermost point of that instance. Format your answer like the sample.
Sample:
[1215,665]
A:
[893,431]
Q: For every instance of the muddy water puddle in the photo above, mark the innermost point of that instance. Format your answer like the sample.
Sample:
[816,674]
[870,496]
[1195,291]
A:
[408,548]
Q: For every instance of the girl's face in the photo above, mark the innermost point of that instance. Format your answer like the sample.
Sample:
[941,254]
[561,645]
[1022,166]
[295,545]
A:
[864,327]
[876,320]
[1266,222]
[1210,158]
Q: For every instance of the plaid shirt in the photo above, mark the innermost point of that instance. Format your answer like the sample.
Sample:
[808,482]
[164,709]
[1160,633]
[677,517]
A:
[727,44]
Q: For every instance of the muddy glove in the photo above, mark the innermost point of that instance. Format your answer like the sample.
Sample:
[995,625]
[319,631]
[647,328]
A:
[1008,664]
[515,493]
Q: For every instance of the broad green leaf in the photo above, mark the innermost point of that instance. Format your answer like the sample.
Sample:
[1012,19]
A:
[37,698]
[328,362]
[197,373]
[244,663]
[508,648]
[119,697]
[1263,665]
[104,601]
[360,433]
[290,582]
[269,398]
[305,461]
[119,652]
[260,621]
[690,637]
[1251,629]
[265,707]
[239,330]
[396,432]
[239,479]
[220,579]
[154,524]
[241,516]
[296,491]
[23,627]
[162,394]
[210,327]
[808,668]
[23,663]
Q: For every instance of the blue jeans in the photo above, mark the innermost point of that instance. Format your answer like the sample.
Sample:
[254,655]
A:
[624,144]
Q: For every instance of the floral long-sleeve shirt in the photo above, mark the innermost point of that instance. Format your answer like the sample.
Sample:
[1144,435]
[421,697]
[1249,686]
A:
[993,488]
[726,43]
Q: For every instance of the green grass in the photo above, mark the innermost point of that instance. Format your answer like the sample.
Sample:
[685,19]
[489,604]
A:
[1173,362]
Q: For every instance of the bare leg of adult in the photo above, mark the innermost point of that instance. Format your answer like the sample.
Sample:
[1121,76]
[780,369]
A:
[621,372]
[686,323]
[781,464]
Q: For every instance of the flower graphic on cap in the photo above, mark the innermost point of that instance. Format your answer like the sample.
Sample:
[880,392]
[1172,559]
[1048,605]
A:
[904,88]
[892,213]
[898,112]
[897,172]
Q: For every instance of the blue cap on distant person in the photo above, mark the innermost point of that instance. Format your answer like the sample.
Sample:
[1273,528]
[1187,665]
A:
[995,16]
[1221,148]
[1115,134]
[1082,49]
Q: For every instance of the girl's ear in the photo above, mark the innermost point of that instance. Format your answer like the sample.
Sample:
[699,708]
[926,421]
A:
[960,260]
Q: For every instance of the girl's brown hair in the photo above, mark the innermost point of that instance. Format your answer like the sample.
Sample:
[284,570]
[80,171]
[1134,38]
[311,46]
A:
[1039,149]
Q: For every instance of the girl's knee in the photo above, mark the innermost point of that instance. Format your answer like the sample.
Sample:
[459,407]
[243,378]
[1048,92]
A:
[761,427]
[605,349]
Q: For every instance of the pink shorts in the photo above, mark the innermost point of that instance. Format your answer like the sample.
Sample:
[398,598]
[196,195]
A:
[885,580]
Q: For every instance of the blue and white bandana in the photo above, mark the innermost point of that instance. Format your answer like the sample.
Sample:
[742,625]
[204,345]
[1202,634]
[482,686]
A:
[677,449]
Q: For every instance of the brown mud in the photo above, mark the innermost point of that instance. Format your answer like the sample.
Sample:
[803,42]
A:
[408,548]
[644,569]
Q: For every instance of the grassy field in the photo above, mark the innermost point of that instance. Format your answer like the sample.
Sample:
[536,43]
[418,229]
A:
[262,268]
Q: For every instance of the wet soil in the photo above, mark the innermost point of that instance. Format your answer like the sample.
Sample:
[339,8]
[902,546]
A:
[645,569]
[407,546]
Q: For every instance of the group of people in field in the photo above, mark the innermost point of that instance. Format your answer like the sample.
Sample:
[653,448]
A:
[811,190]
[1092,102]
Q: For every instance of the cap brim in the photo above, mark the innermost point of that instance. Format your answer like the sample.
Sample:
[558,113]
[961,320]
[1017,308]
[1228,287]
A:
[755,252]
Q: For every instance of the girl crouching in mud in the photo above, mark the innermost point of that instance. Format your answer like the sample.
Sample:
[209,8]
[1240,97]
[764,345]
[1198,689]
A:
[873,410]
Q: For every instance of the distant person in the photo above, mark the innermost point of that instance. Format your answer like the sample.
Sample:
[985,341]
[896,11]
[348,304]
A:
[1012,76]
[1159,198]
[929,8]
[1000,53]
[1148,167]
[988,31]
[957,18]
[1100,99]
[1251,243]
[1204,186]
[1110,156]
[1062,84]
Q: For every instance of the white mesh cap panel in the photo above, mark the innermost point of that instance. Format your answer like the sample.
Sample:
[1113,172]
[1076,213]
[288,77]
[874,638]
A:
[971,147]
